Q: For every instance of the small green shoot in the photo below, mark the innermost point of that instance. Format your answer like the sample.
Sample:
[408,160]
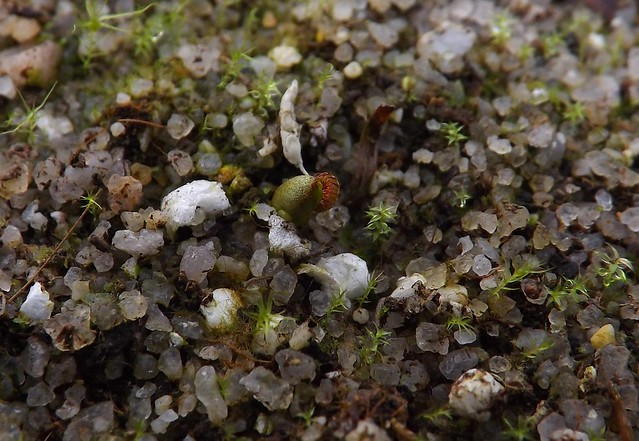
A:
[523,271]
[265,319]
[461,197]
[534,352]
[307,416]
[263,93]
[574,290]
[252,209]
[614,268]
[238,60]
[437,416]
[551,44]
[28,123]
[325,75]
[90,203]
[522,430]
[96,20]
[575,113]
[459,323]
[373,281]
[378,219]
[452,132]
[371,344]
[500,29]
[338,304]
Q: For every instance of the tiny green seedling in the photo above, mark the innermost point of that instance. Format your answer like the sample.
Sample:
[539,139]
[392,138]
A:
[371,344]
[575,112]
[378,219]
[459,323]
[521,430]
[613,268]
[574,290]
[524,270]
[500,28]
[452,132]
[95,20]
[28,123]
[265,319]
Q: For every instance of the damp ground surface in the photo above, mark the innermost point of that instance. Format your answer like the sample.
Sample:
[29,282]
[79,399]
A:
[319,220]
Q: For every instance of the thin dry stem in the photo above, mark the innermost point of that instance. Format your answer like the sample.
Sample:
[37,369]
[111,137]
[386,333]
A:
[54,253]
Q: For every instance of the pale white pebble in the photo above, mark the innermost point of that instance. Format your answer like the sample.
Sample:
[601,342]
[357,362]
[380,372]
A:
[383,34]
[499,145]
[423,156]
[179,126]
[285,56]
[474,393]
[122,98]
[221,310]
[353,70]
[141,87]
[342,10]
[37,305]
[117,129]
[191,203]
[7,88]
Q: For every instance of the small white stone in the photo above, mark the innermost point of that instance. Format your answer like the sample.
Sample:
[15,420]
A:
[179,126]
[342,10]
[349,271]
[423,156]
[122,98]
[499,145]
[141,87]
[7,88]
[282,237]
[473,394]
[353,70]
[221,311]
[191,203]
[117,129]
[285,56]
[37,305]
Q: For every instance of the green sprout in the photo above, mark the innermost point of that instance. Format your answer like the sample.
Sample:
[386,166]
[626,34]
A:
[500,29]
[459,323]
[265,90]
[307,416]
[337,305]
[575,112]
[437,416]
[371,343]
[522,430]
[95,21]
[373,281]
[452,131]
[534,352]
[378,219]
[571,289]
[252,209]
[90,203]
[461,197]
[525,52]
[614,268]
[265,319]
[520,273]
[28,123]
[551,44]
[234,65]
[325,75]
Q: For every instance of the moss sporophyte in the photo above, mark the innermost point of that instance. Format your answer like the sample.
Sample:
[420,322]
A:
[299,197]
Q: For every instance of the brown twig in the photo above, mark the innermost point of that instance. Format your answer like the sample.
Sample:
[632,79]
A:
[54,252]
[140,121]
